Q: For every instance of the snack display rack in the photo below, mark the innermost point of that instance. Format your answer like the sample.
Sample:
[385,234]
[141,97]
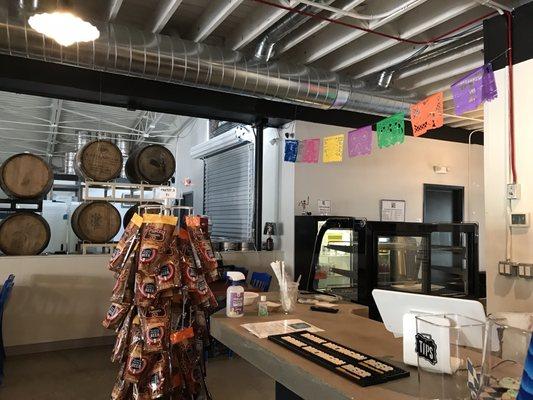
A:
[358,367]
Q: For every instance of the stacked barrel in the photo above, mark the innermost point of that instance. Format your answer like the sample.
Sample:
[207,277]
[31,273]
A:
[102,161]
[27,177]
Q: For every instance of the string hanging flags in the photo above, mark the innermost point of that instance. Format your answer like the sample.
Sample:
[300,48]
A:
[473,89]
[360,141]
[333,148]
[428,114]
[391,130]
[291,150]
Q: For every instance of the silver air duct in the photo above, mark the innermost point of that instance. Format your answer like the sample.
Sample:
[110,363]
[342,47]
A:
[132,52]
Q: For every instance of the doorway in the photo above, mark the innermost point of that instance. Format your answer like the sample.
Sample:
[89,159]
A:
[443,203]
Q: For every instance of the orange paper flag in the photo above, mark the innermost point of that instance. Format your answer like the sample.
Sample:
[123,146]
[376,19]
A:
[428,114]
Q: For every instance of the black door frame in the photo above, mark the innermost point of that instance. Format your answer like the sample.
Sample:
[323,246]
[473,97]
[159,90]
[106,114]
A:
[458,207]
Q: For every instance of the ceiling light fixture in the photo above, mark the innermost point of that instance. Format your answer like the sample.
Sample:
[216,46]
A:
[64,27]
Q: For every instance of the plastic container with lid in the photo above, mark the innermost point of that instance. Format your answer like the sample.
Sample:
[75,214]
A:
[262,307]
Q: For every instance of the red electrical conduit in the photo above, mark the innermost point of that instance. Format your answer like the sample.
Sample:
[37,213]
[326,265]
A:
[348,25]
[511,93]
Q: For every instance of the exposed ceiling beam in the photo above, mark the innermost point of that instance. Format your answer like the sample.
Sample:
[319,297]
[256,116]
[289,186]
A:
[403,51]
[256,23]
[215,13]
[164,12]
[313,26]
[336,36]
[112,11]
[441,72]
[56,106]
[425,18]
[466,124]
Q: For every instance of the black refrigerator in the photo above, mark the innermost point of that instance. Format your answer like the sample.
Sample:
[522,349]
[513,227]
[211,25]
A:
[349,257]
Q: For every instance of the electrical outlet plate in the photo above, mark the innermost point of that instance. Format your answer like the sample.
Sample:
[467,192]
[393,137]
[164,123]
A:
[513,191]
[525,270]
[508,268]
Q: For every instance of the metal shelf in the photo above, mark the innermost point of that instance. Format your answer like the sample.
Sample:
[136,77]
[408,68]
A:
[346,249]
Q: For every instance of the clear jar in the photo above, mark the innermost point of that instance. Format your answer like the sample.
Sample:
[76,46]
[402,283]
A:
[289,297]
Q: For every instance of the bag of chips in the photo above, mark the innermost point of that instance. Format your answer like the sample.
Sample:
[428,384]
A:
[125,280]
[155,332]
[115,315]
[125,243]
[122,340]
[145,289]
[198,229]
[158,378]
[122,388]
[157,233]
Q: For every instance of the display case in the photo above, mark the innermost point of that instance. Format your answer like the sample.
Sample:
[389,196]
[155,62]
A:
[351,257]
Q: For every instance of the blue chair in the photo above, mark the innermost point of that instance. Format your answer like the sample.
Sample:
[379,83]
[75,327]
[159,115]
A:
[261,281]
[4,296]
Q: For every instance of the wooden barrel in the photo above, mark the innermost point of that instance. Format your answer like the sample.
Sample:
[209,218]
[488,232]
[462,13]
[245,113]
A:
[99,160]
[152,164]
[96,221]
[26,176]
[24,233]
[135,209]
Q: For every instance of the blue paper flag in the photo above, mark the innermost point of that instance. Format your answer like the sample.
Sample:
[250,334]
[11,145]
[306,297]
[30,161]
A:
[291,150]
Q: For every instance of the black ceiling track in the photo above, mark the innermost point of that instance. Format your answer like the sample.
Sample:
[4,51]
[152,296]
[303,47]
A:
[65,82]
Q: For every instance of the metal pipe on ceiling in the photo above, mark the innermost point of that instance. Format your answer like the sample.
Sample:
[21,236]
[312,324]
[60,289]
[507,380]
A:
[127,51]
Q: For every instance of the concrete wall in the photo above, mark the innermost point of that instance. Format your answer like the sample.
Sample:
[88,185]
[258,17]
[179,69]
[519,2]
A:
[508,294]
[56,298]
[356,185]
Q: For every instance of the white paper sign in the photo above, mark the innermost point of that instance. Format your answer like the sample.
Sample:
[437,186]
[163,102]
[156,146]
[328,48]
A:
[324,207]
[264,329]
[165,192]
[393,210]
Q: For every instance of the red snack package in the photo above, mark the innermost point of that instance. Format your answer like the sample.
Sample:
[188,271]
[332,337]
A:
[137,363]
[145,289]
[141,392]
[125,242]
[203,296]
[121,342]
[158,378]
[155,332]
[168,273]
[199,235]
[157,233]
[123,289]
[115,315]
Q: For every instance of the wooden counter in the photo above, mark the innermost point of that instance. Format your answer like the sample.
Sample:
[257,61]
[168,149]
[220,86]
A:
[306,379]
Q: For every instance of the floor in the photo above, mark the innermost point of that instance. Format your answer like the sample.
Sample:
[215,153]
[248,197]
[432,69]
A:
[87,374]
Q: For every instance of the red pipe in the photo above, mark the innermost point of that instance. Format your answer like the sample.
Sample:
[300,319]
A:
[511,93]
[349,25]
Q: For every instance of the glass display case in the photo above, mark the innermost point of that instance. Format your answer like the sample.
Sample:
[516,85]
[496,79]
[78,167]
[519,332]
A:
[351,257]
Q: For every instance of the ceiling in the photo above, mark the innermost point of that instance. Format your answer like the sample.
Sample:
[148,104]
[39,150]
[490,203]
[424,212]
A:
[51,126]
[239,24]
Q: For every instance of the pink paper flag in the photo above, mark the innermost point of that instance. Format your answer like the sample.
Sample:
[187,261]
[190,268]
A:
[360,141]
[311,150]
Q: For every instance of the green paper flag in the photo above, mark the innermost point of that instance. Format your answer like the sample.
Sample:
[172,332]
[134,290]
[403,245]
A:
[391,130]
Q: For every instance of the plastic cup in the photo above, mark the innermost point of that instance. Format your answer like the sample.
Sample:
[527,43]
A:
[289,297]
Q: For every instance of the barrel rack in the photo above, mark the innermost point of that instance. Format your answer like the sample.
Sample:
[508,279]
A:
[143,190]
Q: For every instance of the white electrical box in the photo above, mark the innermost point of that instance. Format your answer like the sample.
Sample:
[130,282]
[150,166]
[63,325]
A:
[520,220]
[507,268]
[513,191]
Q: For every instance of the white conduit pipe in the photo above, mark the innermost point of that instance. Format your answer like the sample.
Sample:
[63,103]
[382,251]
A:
[356,15]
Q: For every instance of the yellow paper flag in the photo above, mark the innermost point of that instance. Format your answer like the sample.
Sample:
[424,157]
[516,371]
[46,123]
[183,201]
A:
[333,148]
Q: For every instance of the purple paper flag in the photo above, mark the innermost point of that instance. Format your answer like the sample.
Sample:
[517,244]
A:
[311,150]
[360,141]
[473,89]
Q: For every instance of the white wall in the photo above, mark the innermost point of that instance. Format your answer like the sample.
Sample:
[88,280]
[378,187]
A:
[356,185]
[187,167]
[508,294]
[56,298]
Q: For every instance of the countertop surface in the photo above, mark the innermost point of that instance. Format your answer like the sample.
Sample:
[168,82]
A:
[305,378]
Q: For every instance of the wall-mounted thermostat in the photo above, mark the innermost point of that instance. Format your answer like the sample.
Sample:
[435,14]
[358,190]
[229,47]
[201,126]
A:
[520,220]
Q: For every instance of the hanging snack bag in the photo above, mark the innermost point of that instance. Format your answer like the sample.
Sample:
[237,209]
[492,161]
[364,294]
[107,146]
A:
[141,392]
[145,289]
[115,315]
[125,243]
[158,378]
[121,342]
[125,280]
[168,273]
[122,388]
[198,229]
[157,233]
[136,363]
[202,294]
[155,328]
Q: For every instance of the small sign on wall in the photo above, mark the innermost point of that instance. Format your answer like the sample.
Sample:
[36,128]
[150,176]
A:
[392,210]
[324,207]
